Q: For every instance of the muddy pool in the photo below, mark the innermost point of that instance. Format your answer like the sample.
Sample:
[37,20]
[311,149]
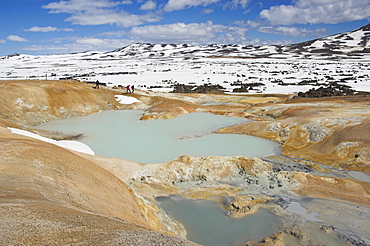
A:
[207,224]
[121,134]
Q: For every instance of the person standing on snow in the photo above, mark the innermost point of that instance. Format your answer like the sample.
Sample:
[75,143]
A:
[128,90]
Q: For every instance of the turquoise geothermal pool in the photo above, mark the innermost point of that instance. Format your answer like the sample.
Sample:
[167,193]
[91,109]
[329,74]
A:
[121,134]
[207,224]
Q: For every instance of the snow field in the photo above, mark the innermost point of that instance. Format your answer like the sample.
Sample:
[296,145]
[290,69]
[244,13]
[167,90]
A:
[276,75]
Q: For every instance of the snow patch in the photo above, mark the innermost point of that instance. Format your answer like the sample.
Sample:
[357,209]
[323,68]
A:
[126,100]
[68,144]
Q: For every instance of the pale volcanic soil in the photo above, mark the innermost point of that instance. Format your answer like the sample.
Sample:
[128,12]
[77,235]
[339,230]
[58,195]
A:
[52,195]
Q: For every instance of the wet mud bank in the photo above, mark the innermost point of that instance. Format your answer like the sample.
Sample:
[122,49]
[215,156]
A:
[314,215]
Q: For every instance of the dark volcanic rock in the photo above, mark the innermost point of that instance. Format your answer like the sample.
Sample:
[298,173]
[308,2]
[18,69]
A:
[241,89]
[245,87]
[333,89]
[206,88]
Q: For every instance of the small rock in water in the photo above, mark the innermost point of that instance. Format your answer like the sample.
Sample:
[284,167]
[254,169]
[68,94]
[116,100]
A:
[283,202]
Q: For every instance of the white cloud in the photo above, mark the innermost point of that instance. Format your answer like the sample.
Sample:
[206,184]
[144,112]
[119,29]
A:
[65,29]
[48,29]
[293,31]
[2,41]
[193,33]
[76,6]
[234,4]
[42,29]
[121,18]
[81,44]
[257,41]
[16,38]
[148,5]
[248,23]
[173,5]
[317,11]
[57,40]
[99,12]
[101,44]
[113,34]
[208,11]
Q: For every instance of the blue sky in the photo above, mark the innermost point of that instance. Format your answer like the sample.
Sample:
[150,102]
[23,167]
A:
[66,26]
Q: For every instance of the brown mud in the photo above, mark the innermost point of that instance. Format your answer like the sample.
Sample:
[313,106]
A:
[50,194]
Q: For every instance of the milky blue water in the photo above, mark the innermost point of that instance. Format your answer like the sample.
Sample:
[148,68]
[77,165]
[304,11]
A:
[206,223]
[121,134]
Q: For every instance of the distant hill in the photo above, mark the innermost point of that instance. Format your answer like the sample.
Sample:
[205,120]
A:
[347,44]
[354,44]
[357,41]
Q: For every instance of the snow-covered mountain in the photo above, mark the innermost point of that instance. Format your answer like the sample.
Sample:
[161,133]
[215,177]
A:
[353,42]
[188,51]
[343,45]
[342,58]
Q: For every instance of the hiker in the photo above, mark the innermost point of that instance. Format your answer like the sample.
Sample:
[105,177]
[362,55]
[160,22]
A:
[96,84]
[128,89]
[132,89]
